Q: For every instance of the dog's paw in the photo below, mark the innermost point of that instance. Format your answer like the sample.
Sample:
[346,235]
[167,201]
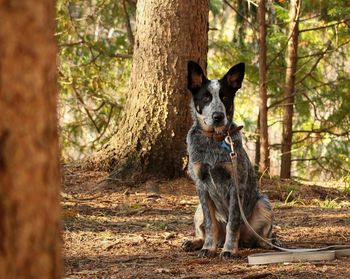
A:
[187,246]
[206,253]
[276,241]
[226,255]
[192,245]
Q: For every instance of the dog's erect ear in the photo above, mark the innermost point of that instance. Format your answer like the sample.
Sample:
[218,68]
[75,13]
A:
[196,77]
[234,76]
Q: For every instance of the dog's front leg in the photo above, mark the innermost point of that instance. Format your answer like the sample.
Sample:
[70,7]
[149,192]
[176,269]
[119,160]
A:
[232,228]
[211,224]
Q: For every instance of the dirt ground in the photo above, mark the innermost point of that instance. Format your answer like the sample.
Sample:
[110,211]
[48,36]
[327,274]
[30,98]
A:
[138,232]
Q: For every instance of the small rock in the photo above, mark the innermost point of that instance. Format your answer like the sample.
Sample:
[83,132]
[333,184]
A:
[169,235]
[162,270]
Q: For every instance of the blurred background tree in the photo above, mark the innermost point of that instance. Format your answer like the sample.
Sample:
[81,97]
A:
[96,42]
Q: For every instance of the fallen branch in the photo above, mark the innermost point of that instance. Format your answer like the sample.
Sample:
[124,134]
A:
[135,258]
[257,276]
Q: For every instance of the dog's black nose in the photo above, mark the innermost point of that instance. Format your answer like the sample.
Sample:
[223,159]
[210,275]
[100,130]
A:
[218,117]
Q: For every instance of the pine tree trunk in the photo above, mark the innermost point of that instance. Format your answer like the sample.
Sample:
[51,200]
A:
[289,91]
[151,137]
[257,146]
[263,127]
[29,172]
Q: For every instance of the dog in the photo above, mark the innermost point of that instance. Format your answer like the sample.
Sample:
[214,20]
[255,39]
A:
[217,219]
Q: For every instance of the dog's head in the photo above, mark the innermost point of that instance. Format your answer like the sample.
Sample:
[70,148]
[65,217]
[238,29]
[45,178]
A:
[213,99]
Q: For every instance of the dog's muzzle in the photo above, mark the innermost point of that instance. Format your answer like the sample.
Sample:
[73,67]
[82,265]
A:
[218,118]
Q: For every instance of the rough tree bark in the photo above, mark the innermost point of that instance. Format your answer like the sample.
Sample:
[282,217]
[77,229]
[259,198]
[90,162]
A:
[264,164]
[289,90]
[150,140]
[29,171]
[257,145]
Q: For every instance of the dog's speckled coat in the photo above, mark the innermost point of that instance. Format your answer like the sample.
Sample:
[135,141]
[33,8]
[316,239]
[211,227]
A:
[217,218]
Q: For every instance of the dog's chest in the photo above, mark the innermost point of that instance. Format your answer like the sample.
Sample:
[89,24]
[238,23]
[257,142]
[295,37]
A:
[210,165]
[208,151]
[214,162]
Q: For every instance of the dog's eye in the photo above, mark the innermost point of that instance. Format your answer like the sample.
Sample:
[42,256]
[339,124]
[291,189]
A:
[206,99]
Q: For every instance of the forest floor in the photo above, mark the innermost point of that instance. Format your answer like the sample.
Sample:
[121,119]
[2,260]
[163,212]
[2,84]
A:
[137,232]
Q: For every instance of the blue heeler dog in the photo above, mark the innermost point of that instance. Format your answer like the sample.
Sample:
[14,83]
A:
[217,219]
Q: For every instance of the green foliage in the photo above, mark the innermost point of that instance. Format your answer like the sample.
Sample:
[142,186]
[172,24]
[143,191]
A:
[93,80]
[290,200]
[321,106]
[281,11]
[327,203]
[322,98]
[215,6]
[346,182]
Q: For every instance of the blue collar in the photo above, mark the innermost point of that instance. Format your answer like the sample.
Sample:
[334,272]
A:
[224,145]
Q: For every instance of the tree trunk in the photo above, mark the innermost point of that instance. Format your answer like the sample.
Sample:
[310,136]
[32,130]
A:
[150,140]
[289,91]
[257,146]
[29,171]
[263,128]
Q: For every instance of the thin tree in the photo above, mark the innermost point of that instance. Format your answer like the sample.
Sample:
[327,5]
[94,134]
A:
[150,140]
[29,171]
[289,90]
[264,164]
[257,145]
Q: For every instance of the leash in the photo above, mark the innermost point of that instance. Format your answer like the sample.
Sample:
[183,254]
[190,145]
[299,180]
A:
[287,255]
